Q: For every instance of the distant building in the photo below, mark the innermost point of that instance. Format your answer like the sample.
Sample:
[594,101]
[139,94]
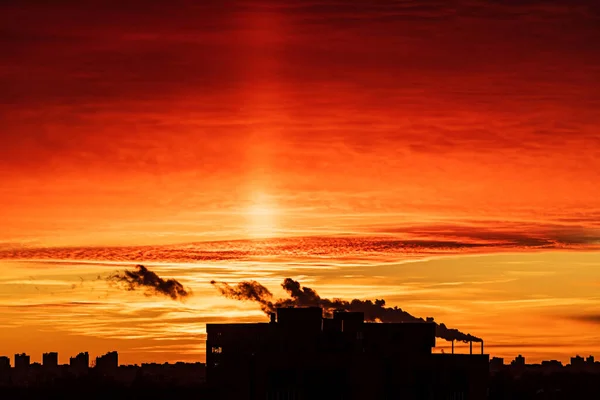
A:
[518,361]
[79,365]
[22,361]
[301,355]
[499,361]
[552,363]
[108,363]
[550,366]
[50,360]
[4,363]
[81,359]
[496,364]
[590,360]
[4,371]
[577,361]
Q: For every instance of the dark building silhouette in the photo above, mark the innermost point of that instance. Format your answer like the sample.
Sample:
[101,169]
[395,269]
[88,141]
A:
[549,379]
[4,363]
[496,364]
[590,360]
[22,361]
[108,364]
[50,360]
[518,361]
[497,361]
[80,364]
[4,370]
[551,363]
[81,360]
[577,361]
[301,355]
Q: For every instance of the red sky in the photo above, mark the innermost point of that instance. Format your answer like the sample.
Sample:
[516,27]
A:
[419,128]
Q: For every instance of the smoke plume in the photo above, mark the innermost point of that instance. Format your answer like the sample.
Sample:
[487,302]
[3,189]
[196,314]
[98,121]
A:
[247,291]
[143,278]
[302,296]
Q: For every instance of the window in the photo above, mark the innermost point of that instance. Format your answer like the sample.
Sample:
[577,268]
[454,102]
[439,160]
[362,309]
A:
[217,350]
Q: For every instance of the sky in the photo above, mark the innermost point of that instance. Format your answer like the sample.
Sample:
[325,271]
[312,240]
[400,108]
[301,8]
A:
[443,155]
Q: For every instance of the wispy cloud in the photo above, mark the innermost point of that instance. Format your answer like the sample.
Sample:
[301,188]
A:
[593,319]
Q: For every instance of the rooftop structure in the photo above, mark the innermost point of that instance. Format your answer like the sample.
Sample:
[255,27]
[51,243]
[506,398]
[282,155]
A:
[22,361]
[50,360]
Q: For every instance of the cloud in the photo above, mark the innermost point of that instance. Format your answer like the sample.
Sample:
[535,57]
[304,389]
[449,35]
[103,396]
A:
[36,282]
[506,234]
[520,346]
[135,69]
[374,243]
[587,318]
[43,306]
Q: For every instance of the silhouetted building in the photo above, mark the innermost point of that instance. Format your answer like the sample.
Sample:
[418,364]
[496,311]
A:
[518,361]
[577,361]
[4,363]
[496,364]
[550,366]
[22,361]
[497,361]
[79,365]
[590,360]
[108,364]
[4,370]
[301,355]
[81,359]
[50,360]
[552,363]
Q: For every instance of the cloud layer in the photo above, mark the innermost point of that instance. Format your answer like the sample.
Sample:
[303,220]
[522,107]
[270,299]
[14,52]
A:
[428,105]
[384,244]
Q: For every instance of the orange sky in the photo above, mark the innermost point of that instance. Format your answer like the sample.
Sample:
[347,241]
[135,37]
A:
[443,155]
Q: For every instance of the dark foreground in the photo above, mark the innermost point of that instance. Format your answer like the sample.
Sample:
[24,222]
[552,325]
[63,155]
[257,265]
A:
[502,387]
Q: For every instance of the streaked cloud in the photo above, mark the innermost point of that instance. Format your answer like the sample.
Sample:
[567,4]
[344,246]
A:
[593,319]
[390,244]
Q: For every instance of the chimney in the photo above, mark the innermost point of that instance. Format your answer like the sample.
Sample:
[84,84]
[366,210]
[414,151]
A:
[470,347]
[273,316]
[453,347]
[482,347]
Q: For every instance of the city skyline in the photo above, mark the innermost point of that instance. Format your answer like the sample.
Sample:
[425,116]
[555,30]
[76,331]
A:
[309,350]
[518,359]
[442,155]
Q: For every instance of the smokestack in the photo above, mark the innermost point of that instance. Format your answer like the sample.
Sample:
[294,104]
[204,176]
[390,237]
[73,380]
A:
[453,347]
[482,347]
[470,347]
[273,319]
